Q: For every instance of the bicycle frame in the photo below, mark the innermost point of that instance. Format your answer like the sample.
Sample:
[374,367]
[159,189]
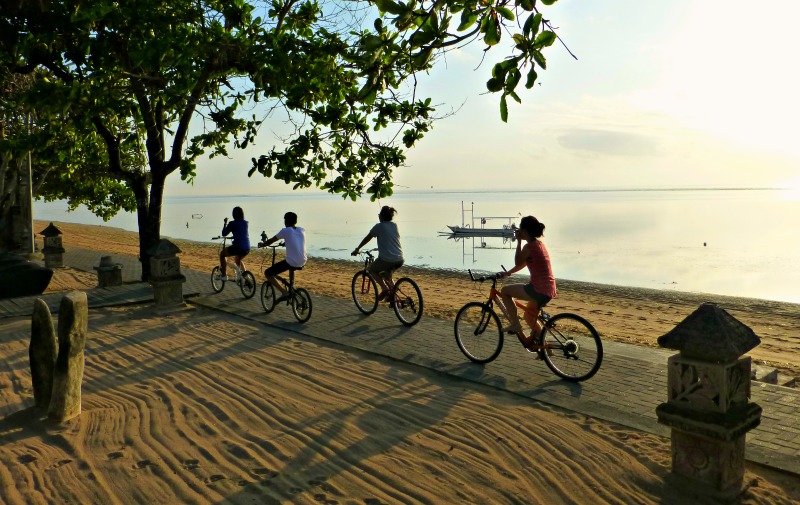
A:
[494,298]
[369,258]
[238,262]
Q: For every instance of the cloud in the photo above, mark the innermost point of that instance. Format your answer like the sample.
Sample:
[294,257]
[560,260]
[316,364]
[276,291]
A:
[607,142]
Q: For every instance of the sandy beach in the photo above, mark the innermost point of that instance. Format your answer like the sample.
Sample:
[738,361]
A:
[199,406]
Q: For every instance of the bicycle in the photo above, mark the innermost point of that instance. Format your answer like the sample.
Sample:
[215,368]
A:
[298,298]
[242,277]
[404,296]
[569,345]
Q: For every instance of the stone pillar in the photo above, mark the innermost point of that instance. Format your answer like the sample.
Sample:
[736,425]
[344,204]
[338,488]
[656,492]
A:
[109,274]
[73,321]
[42,353]
[52,250]
[707,407]
[165,274]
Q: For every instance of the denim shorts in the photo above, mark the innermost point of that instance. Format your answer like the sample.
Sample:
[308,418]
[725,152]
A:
[541,299]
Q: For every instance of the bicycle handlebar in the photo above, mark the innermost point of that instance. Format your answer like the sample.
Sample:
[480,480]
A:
[492,277]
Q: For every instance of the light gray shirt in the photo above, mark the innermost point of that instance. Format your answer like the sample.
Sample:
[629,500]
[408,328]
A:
[389,248]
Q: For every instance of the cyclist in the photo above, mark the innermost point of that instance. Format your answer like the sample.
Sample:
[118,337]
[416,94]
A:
[542,286]
[240,247]
[295,239]
[390,252]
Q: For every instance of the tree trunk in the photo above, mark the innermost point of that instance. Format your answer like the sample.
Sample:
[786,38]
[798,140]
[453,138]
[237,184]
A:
[148,211]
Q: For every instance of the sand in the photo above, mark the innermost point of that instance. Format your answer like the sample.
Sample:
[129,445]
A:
[624,314]
[199,406]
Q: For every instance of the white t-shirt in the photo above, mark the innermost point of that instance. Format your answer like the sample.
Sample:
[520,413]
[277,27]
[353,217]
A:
[389,248]
[295,239]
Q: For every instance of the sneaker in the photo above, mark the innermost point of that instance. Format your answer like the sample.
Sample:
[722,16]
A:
[222,278]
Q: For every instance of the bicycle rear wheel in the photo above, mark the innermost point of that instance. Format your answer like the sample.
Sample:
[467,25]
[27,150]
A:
[573,350]
[407,301]
[478,332]
[301,305]
[216,284]
[365,292]
[267,297]
[248,284]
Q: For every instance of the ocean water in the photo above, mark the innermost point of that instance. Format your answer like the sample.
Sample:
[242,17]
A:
[740,242]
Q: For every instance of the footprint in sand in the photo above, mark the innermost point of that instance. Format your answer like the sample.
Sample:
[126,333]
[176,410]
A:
[265,473]
[114,455]
[324,499]
[62,463]
[191,464]
[26,458]
[214,478]
[142,464]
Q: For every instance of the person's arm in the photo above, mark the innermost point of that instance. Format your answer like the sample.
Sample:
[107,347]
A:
[362,244]
[520,257]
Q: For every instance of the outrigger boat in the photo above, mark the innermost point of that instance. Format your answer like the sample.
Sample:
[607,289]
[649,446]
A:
[471,230]
[467,231]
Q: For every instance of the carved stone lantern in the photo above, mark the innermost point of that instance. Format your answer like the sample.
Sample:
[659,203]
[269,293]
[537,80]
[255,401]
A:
[109,274]
[53,250]
[165,274]
[708,405]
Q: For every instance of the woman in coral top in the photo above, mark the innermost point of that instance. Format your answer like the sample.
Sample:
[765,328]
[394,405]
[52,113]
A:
[539,290]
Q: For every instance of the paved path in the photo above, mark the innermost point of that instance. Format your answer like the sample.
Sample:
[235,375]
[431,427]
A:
[626,390]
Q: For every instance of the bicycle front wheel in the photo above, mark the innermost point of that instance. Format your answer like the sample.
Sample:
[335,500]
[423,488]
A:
[478,332]
[248,284]
[267,297]
[573,350]
[301,305]
[365,292]
[407,301]
[217,284]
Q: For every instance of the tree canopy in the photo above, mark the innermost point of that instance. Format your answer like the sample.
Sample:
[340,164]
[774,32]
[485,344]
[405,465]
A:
[149,87]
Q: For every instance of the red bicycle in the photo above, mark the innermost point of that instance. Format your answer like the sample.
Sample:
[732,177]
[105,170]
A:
[568,344]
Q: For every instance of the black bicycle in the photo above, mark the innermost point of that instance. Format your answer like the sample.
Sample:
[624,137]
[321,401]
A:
[404,294]
[241,276]
[297,298]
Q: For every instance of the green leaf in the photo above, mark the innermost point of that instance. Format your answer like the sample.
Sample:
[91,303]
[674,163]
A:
[526,4]
[468,19]
[539,58]
[549,2]
[503,109]
[506,13]
[545,39]
[494,85]
[531,78]
[389,6]
[492,36]
[513,79]
[531,27]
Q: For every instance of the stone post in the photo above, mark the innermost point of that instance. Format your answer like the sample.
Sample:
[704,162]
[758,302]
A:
[165,274]
[42,353]
[708,404]
[73,321]
[109,274]
[52,250]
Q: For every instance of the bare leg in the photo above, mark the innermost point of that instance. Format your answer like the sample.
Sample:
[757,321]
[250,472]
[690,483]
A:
[531,316]
[223,265]
[276,285]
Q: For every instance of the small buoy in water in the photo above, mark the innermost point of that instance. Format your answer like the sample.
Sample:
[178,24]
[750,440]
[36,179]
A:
[187,224]
[704,244]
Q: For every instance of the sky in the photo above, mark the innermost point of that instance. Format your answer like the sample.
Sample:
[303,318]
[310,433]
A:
[679,94]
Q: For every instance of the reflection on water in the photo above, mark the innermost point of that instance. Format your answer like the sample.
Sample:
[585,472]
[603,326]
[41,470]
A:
[735,242]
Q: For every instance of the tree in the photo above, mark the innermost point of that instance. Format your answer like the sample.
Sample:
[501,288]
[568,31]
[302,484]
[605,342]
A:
[164,83]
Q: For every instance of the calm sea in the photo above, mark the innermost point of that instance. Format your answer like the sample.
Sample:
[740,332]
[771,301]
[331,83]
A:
[740,242]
